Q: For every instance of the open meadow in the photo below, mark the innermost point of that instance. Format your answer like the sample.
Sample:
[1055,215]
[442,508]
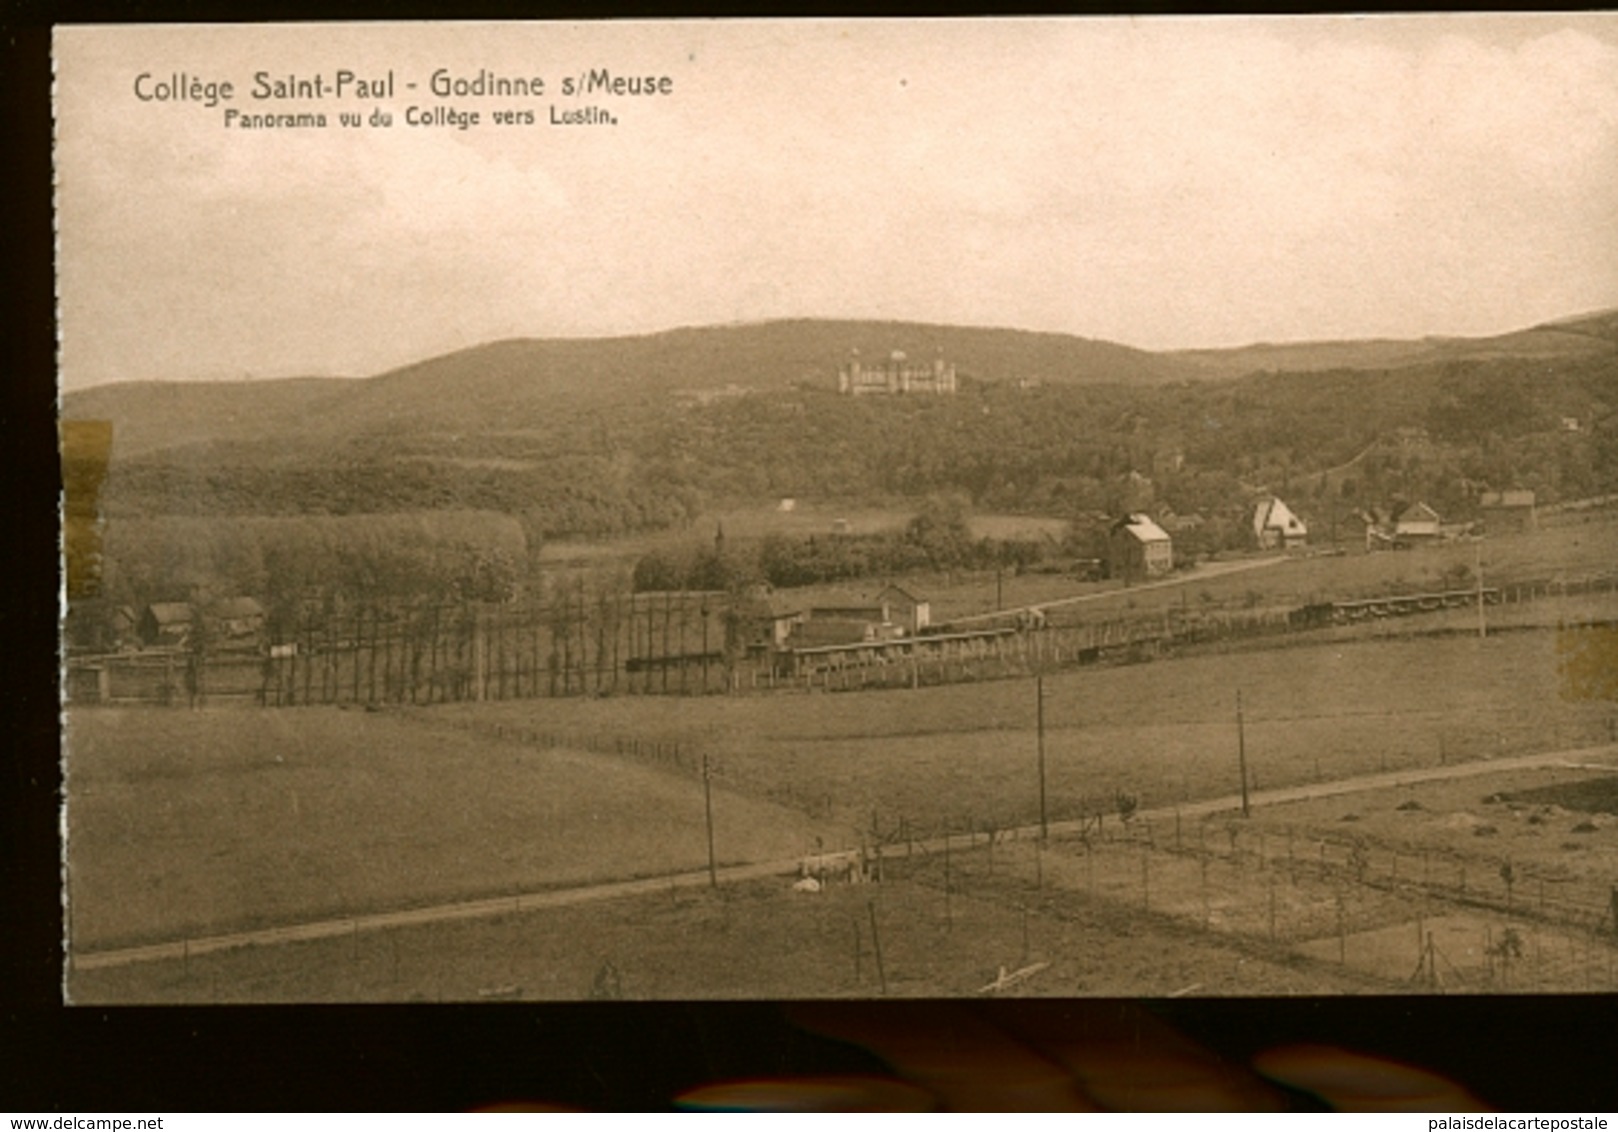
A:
[965,754]
[757,940]
[183,823]
[1294,900]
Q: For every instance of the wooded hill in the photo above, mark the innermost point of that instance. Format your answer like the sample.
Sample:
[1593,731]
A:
[520,382]
[600,437]
[1578,337]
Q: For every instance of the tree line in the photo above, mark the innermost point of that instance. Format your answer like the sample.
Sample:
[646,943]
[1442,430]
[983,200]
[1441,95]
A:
[937,537]
[1338,437]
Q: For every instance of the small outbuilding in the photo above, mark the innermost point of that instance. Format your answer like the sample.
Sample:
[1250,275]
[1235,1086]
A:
[905,609]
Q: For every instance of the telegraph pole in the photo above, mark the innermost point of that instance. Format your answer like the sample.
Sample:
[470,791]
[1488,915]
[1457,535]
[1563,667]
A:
[1483,628]
[1241,750]
[1039,714]
[707,804]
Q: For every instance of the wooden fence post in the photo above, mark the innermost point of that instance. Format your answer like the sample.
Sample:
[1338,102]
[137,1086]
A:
[1145,879]
[1272,907]
[1207,916]
[1342,933]
[876,945]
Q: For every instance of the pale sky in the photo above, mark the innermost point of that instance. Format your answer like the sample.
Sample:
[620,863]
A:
[1164,183]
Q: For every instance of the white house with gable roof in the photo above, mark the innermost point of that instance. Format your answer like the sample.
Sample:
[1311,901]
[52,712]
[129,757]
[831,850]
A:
[1275,525]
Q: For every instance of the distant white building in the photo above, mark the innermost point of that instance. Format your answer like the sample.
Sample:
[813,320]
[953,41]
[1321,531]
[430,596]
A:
[1275,525]
[896,375]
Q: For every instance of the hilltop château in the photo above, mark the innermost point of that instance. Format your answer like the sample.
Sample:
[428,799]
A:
[895,375]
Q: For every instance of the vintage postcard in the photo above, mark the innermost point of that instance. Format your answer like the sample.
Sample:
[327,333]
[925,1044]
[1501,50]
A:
[819,509]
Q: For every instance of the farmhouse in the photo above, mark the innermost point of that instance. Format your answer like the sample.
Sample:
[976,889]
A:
[1507,511]
[1275,525]
[1138,548]
[895,376]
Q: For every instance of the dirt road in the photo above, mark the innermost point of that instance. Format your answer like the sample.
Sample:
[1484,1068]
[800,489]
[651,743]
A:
[1603,757]
[1197,574]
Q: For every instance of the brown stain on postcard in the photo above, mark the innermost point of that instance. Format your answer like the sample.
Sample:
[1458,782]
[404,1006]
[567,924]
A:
[86,447]
[1587,659]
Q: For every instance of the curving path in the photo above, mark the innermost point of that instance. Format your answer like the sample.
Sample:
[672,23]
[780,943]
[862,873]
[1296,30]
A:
[731,874]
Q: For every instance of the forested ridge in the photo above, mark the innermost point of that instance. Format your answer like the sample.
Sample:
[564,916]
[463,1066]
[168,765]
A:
[1050,449]
[559,458]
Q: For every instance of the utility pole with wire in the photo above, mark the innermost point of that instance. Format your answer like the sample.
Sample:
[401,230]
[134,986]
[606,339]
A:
[1039,714]
[707,803]
[1241,751]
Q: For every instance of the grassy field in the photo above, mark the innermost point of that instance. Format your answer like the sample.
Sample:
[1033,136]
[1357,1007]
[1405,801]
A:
[183,823]
[1280,909]
[194,822]
[758,940]
[1164,731]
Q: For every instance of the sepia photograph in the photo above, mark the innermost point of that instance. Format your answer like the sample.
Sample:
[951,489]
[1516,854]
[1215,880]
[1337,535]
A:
[838,509]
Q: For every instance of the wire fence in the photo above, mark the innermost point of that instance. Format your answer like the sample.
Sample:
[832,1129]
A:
[923,905]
